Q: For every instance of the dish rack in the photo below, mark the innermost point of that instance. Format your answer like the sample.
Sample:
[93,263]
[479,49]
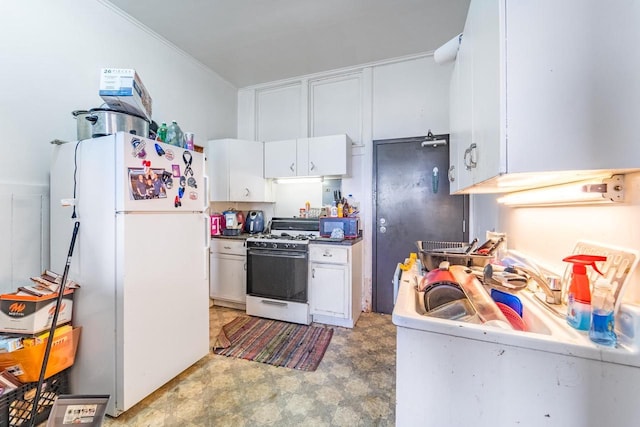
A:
[616,269]
[430,245]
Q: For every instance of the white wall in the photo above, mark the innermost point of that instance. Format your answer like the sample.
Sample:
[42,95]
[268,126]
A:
[548,234]
[51,54]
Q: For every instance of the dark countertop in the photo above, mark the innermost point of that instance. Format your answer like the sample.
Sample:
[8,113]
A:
[317,240]
[328,241]
[242,236]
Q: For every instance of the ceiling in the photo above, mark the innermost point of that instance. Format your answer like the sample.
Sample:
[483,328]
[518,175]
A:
[248,42]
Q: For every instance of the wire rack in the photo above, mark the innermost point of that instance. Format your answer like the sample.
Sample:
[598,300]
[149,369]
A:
[429,245]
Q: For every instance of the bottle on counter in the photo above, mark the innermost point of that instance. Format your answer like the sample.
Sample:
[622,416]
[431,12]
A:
[579,294]
[340,210]
[161,135]
[602,315]
[174,134]
[188,140]
[354,206]
[334,210]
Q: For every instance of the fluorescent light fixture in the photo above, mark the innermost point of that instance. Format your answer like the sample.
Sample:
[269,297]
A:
[305,180]
[586,192]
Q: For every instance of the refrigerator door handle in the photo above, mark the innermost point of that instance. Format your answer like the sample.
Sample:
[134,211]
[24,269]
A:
[207,196]
[207,244]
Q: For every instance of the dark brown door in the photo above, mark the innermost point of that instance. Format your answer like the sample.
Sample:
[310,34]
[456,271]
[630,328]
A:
[411,203]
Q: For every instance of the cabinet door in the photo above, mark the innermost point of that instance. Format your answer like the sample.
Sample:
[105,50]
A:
[487,114]
[465,154]
[218,170]
[228,278]
[246,178]
[329,155]
[460,126]
[328,287]
[280,159]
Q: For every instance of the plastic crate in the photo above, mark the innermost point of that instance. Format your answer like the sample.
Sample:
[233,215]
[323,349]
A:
[16,405]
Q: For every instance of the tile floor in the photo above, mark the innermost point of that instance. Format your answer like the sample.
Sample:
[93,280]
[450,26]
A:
[354,385]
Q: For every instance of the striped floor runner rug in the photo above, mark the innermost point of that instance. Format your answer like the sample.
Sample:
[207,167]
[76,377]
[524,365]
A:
[274,342]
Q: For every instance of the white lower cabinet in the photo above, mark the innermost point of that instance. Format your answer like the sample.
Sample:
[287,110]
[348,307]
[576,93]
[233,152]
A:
[228,273]
[335,283]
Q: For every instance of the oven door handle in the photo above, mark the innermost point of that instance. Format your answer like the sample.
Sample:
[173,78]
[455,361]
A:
[279,254]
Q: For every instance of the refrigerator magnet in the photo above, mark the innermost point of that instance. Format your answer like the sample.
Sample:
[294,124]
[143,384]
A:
[176,171]
[159,150]
[193,195]
[138,148]
[167,179]
[168,154]
[191,182]
[176,202]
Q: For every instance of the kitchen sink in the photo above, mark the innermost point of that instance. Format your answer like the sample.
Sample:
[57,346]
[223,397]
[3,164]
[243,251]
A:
[557,374]
[535,314]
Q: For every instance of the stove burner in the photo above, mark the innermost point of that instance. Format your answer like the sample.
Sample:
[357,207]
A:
[283,236]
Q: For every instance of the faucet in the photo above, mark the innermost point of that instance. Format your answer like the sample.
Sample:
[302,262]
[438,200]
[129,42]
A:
[550,285]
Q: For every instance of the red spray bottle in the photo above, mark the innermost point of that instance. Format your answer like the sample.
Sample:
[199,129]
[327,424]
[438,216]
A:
[579,294]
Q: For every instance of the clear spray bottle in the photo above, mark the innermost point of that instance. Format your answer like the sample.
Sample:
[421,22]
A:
[602,314]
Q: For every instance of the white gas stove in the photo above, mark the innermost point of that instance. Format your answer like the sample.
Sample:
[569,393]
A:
[277,270]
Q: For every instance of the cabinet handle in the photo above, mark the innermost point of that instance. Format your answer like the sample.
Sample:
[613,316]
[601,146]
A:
[312,166]
[469,154]
[292,167]
[245,266]
[452,177]
[313,273]
[246,192]
[327,254]
[227,247]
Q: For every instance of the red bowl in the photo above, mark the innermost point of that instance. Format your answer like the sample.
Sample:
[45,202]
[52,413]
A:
[512,316]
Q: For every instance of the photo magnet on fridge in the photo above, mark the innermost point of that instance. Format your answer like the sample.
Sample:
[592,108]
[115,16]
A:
[147,183]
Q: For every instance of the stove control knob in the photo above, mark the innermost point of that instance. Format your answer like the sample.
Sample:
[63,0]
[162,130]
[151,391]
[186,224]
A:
[275,245]
[264,244]
[286,245]
[293,246]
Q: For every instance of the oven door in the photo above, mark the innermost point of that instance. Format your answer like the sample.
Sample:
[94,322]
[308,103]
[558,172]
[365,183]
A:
[277,274]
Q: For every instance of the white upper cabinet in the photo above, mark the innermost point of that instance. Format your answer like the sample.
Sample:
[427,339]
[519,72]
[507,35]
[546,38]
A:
[539,87]
[317,156]
[280,159]
[235,169]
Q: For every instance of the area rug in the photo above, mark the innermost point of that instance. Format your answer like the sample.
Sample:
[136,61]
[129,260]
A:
[274,342]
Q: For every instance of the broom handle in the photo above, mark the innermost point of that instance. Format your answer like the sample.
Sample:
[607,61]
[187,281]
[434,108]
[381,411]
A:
[54,322]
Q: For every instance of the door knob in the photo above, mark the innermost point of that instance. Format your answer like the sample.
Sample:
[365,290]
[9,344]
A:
[383,229]
[383,221]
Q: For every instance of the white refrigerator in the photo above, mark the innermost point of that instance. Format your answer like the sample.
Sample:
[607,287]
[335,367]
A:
[141,259]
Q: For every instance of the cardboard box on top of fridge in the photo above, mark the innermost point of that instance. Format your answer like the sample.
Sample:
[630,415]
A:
[30,314]
[122,89]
